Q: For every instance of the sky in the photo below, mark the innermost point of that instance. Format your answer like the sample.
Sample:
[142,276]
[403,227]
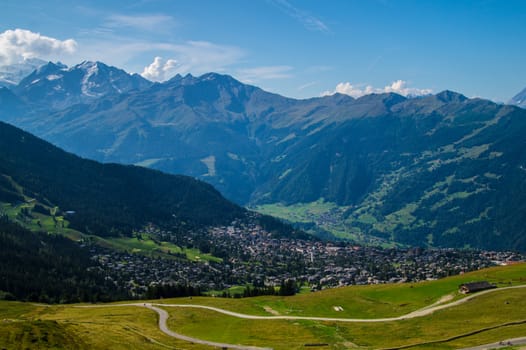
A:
[295,48]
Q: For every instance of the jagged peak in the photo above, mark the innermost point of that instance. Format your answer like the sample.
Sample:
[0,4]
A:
[50,66]
[190,79]
[176,78]
[336,97]
[388,98]
[450,96]
[88,64]
[215,76]
[96,66]
[519,99]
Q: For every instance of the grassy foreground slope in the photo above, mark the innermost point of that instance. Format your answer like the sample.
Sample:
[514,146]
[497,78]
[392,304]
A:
[486,318]
[28,326]
[493,314]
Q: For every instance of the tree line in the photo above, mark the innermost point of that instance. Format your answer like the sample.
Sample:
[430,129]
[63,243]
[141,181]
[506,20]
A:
[40,267]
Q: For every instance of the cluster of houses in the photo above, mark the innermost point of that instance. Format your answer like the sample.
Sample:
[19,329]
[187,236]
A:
[251,255]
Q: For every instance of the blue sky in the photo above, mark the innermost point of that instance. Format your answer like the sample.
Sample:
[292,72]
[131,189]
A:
[295,48]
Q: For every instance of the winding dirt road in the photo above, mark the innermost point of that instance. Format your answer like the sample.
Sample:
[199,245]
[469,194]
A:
[163,317]
[418,313]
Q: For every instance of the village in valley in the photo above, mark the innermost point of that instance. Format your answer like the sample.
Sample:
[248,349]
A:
[249,255]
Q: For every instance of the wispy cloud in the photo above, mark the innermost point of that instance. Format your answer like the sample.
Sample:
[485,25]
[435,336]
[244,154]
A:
[145,22]
[358,90]
[307,85]
[19,44]
[309,21]
[203,56]
[256,74]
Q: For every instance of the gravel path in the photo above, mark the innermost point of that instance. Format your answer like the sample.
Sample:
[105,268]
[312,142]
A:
[163,317]
[428,310]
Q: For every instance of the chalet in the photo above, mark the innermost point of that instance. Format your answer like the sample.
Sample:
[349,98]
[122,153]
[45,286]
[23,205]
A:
[473,287]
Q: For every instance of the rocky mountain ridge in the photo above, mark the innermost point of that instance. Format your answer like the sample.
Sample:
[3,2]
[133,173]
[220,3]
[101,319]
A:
[434,170]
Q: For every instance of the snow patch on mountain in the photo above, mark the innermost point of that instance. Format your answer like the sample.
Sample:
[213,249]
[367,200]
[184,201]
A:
[519,99]
[87,86]
[12,74]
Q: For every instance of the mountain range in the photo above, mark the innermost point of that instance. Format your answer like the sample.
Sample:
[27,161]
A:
[106,199]
[56,86]
[58,210]
[439,170]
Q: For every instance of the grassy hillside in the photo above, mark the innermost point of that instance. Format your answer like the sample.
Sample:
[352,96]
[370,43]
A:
[451,176]
[372,301]
[487,318]
[107,199]
[280,334]
[440,170]
[28,326]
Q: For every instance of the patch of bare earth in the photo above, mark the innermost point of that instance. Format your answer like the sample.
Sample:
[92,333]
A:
[271,310]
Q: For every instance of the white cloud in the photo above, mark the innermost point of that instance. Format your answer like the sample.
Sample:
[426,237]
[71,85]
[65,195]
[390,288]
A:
[19,44]
[160,69]
[196,57]
[398,86]
[349,89]
[255,74]
[307,85]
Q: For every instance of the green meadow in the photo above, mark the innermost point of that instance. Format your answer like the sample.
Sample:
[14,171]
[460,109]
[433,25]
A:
[486,318]
[144,243]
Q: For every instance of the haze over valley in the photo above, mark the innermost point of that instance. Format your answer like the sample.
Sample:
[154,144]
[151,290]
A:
[271,174]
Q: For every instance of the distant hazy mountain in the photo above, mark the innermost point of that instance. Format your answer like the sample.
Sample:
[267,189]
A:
[57,86]
[440,170]
[211,127]
[519,99]
[11,75]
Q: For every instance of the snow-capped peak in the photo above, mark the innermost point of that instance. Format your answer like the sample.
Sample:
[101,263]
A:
[12,74]
[87,85]
[519,99]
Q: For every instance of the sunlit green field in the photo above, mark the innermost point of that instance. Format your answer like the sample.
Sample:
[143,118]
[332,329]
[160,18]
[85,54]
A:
[141,244]
[374,301]
[327,216]
[487,318]
[492,311]
[146,245]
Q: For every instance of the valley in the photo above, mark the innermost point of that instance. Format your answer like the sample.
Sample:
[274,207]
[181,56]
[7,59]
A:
[384,174]
[243,259]
[258,175]
[439,170]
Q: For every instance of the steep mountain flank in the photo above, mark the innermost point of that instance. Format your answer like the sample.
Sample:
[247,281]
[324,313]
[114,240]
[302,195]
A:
[106,199]
[440,170]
